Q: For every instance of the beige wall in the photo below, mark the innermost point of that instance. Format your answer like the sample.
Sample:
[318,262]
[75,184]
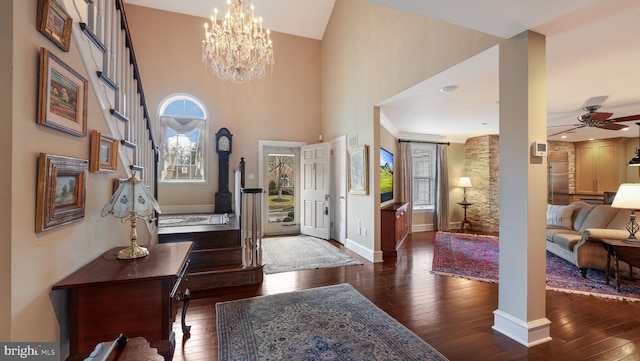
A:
[456,166]
[6,103]
[370,53]
[283,106]
[39,260]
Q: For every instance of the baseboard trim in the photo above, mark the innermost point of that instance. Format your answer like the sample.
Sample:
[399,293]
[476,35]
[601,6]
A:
[368,254]
[429,227]
[204,208]
[529,334]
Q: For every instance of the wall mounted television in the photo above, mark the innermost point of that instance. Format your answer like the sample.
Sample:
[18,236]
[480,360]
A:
[386,175]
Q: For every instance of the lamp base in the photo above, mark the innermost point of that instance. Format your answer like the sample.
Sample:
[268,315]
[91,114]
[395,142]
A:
[132,252]
[631,240]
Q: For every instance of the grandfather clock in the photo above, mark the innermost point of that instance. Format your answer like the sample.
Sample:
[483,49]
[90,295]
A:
[223,148]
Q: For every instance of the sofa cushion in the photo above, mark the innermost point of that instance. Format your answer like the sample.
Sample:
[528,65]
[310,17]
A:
[599,217]
[560,216]
[567,240]
[580,212]
[620,220]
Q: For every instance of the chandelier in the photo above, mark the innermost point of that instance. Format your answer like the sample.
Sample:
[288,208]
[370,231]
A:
[237,48]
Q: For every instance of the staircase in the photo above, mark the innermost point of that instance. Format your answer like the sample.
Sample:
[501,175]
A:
[217,256]
[102,35]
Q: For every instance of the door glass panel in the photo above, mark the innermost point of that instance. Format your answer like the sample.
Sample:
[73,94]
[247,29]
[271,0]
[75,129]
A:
[281,196]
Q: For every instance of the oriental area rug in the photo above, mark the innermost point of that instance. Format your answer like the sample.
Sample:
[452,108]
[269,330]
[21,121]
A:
[476,257]
[325,323]
[294,253]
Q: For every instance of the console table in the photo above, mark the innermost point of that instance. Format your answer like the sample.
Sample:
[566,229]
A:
[621,251]
[137,298]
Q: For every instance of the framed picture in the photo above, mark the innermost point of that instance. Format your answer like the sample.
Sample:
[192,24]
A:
[62,96]
[104,153]
[61,191]
[116,184]
[54,23]
[359,170]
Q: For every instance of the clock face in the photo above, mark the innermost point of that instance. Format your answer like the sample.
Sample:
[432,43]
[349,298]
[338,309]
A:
[223,144]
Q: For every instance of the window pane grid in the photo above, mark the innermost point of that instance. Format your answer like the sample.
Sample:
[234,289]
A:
[423,162]
[182,151]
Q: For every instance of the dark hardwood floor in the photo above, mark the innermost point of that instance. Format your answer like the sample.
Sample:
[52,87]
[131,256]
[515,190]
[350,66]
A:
[453,315]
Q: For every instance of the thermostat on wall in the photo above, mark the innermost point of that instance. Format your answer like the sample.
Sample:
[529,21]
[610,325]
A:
[539,149]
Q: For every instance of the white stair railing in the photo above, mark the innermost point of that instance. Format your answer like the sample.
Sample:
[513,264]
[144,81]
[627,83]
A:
[102,34]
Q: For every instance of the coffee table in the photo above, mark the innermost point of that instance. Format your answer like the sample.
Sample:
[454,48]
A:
[621,251]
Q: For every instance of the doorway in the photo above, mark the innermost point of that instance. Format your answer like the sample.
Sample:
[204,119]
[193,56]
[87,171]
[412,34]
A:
[281,222]
[281,190]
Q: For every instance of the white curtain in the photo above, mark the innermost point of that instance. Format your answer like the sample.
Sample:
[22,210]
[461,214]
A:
[406,186]
[180,125]
[441,214]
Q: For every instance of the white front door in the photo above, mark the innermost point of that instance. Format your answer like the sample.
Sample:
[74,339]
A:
[339,189]
[315,190]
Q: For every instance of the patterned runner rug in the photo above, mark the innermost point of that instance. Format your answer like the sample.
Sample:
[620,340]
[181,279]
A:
[476,257]
[294,253]
[325,323]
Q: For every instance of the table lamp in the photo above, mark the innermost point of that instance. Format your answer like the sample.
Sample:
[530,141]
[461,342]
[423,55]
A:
[132,200]
[628,197]
[464,183]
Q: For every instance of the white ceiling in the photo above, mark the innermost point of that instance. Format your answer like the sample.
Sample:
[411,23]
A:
[593,56]
[306,18]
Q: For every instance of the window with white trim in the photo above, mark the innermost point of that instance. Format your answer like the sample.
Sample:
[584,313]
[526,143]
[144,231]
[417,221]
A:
[183,133]
[423,157]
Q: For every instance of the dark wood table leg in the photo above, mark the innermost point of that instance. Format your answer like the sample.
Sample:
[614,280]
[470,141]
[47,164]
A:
[618,280]
[186,329]
[608,264]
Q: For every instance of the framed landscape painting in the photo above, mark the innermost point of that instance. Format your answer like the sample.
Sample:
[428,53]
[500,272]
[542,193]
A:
[358,170]
[62,96]
[104,153]
[61,192]
[54,23]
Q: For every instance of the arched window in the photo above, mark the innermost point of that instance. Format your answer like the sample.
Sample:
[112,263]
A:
[183,132]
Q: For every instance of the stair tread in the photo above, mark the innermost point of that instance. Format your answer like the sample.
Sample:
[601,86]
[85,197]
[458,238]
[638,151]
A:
[225,269]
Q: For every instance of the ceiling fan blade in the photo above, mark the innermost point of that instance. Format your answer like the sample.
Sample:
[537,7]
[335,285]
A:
[613,126]
[566,125]
[600,116]
[626,119]
[568,130]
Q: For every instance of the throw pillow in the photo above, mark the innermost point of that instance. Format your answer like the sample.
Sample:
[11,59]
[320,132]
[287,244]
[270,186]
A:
[559,216]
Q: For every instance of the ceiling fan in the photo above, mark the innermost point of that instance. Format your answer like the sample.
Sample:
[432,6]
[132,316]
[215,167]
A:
[596,119]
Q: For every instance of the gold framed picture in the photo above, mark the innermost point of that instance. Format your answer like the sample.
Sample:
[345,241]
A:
[359,170]
[54,22]
[62,189]
[62,96]
[104,153]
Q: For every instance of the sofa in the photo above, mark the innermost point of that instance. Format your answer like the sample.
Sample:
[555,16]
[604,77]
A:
[575,231]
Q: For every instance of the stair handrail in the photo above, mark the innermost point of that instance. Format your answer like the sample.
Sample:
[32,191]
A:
[143,103]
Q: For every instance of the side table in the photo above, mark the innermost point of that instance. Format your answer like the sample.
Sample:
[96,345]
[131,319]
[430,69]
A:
[621,251]
[465,220]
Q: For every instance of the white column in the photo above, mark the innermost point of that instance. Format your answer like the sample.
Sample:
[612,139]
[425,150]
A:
[523,191]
